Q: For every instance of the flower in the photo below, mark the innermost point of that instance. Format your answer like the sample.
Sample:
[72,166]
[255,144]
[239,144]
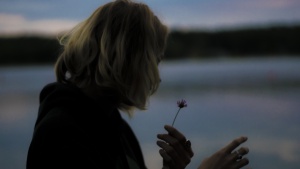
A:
[181,104]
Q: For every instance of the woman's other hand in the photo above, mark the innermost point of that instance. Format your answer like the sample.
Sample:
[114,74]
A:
[228,157]
[176,150]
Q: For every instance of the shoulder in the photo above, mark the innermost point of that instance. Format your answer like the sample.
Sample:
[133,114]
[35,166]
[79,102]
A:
[59,142]
[55,127]
[60,134]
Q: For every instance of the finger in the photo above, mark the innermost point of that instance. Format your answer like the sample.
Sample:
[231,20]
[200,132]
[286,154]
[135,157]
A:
[167,160]
[175,133]
[174,156]
[241,163]
[243,151]
[180,148]
[170,156]
[180,137]
[165,156]
[234,144]
[188,147]
[237,155]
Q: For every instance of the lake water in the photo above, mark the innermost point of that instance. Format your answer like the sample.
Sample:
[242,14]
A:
[258,98]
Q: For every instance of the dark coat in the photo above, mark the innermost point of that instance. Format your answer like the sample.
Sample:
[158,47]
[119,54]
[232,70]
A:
[74,131]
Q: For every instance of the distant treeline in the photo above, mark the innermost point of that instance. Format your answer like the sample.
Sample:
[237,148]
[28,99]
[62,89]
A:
[262,42]
[28,50]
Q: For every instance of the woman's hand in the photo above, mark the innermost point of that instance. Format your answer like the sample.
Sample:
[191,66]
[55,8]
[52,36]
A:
[227,158]
[175,149]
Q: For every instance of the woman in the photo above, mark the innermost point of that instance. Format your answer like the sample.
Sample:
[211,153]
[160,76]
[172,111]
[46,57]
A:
[109,64]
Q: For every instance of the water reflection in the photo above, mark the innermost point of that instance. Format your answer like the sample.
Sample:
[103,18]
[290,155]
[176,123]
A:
[225,100]
[213,118]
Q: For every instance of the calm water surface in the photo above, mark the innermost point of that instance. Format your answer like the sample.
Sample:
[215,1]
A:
[226,98]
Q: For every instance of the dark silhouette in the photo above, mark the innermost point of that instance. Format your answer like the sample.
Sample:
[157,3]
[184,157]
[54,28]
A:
[255,42]
[108,66]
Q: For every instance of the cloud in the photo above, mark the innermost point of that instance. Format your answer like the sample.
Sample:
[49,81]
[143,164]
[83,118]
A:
[40,17]
[231,13]
[11,24]
[270,4]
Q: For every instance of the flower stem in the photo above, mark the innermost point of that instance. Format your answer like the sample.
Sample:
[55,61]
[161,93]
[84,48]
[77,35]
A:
[175,117]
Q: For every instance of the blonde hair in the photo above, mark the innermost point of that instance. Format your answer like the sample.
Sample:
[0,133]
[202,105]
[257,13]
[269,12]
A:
[119,46]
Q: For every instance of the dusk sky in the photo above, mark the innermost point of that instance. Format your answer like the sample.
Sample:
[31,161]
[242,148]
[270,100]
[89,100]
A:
[53,16]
